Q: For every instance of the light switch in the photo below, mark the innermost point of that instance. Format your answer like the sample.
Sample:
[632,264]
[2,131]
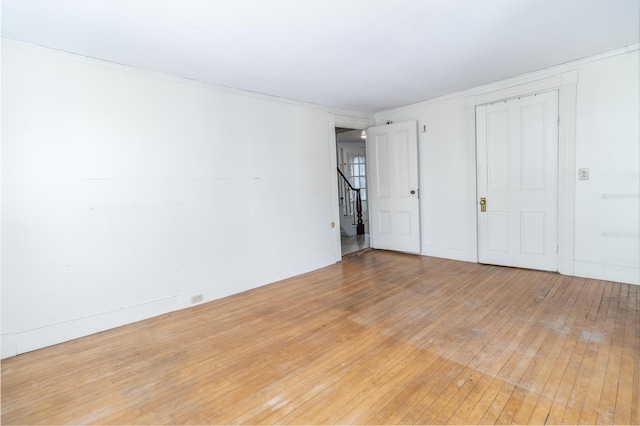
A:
[583,174]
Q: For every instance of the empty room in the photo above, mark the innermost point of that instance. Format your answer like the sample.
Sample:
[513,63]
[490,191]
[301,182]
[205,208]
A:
[182,184]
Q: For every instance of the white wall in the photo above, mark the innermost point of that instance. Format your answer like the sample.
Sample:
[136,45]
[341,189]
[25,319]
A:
[607,213]
[607,242]
[126,192]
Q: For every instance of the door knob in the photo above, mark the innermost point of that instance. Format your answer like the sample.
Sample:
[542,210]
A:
[483,204]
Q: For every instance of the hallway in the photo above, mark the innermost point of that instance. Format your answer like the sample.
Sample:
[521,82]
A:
[354,244]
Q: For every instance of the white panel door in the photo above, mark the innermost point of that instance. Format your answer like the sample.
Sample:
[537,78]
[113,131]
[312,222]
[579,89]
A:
[517,155]
[394,209]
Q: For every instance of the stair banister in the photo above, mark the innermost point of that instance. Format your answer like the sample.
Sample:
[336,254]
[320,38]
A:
[360,223]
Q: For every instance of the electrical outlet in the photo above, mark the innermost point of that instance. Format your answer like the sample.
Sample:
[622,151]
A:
[583,174]
[197,298]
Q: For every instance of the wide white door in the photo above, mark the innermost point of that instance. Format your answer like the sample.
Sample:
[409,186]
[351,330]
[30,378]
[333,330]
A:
[394,208]
[517,167]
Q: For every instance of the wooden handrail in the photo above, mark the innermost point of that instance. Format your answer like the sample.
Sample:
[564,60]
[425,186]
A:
[360,223]
[346,180]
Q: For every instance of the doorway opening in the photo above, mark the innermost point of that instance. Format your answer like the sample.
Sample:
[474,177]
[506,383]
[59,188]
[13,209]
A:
[352,191]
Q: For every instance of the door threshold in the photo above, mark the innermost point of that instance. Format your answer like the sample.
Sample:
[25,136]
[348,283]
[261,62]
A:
[356,253]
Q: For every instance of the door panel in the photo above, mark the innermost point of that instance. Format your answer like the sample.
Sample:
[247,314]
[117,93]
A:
[532,232]
[533,147]
[498,150]
[498,231]
[392,158]
[517,154]
[381,168]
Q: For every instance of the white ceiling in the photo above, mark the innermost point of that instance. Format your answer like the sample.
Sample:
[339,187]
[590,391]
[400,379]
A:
[363,55]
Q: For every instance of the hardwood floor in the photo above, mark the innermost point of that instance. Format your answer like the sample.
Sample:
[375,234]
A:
[382,338]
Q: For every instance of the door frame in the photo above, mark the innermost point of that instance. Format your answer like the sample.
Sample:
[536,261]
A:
[346,151]
[548,260]
[566,85]
[355,122]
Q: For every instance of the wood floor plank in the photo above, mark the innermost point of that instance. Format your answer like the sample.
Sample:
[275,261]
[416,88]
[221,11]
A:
[551,410]
[428,415]
[400,332]
[517,383]
[495,385]
[593,339]
[410,397]
[606,357]
[541,371]
[381,338]
[628,375]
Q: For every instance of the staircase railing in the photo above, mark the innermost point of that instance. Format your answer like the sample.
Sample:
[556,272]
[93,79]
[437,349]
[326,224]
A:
[351,207]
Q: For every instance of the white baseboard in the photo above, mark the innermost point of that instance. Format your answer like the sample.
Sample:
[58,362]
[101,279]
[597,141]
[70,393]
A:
[616,273]
[52,334]
[446,253]
[599,271]
[8,345]
[15,343]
